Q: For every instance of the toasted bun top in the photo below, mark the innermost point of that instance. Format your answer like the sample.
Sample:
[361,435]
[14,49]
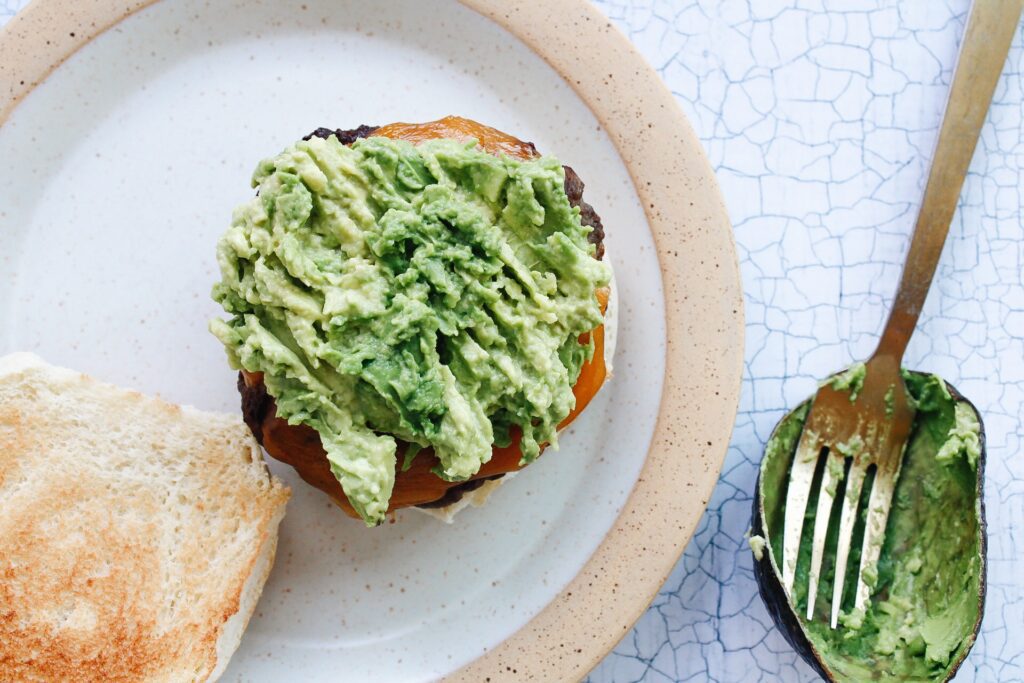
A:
[132,531]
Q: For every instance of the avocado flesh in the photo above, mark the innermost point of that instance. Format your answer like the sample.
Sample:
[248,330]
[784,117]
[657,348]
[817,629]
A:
[433,294]
[927,599]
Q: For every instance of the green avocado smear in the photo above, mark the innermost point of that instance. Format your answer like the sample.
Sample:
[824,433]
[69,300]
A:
[926,600]
[431,293]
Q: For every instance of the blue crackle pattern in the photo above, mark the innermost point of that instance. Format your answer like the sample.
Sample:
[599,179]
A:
[819,119]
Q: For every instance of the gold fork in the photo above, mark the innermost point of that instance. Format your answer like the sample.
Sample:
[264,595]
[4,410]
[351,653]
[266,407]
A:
[869,423]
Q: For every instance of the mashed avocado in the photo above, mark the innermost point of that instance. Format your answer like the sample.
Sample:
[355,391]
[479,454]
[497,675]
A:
[757,545]
[851,379]
[926,596]
[433,293]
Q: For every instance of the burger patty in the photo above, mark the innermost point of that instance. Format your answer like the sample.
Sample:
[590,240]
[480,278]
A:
[256,402]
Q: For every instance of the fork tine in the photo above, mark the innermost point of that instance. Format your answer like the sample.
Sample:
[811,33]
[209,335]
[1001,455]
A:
[829,482]
[854,482]
[800,476]
[874,529]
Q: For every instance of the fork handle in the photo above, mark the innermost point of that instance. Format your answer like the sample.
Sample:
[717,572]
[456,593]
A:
[986,41]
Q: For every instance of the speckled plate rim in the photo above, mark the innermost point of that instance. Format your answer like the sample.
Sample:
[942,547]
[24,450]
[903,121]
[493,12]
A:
[703,308]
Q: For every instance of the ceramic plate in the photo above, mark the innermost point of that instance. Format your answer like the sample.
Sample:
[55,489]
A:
[121,169]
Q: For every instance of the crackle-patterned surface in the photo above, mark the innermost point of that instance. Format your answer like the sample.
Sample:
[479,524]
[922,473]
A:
[820,124]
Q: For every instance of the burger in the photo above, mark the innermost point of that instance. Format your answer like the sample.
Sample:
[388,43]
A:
[415,310]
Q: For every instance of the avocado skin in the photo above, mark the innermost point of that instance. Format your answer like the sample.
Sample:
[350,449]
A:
[769,584]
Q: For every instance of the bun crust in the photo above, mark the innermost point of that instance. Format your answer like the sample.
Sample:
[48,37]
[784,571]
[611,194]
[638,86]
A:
[136,535]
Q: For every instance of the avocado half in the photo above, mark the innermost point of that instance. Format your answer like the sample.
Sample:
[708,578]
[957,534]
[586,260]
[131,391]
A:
[927,604]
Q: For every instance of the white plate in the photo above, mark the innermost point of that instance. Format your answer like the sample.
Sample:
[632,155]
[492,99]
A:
[120,172]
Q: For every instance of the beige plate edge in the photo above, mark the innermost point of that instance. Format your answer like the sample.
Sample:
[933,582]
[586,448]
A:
[703,297]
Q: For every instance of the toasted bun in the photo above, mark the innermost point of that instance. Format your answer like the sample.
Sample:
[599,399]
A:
[477,497]
[135,535]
